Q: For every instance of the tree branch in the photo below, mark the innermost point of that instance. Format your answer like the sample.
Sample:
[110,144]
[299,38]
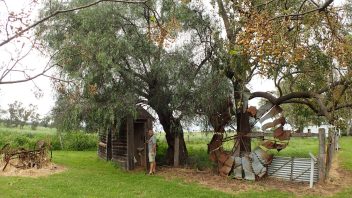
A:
[265,4]
[334,84]
[320,9]
[226,20]
[277,101]
[341,106]
[61,12]
[304,102]
[28,78]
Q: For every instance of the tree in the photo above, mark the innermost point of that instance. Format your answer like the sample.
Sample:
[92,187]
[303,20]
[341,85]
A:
[17,40]
[35,119]
[46,121]
[299,116]
[301,42]
[15,111]
[19,115]
[118,57]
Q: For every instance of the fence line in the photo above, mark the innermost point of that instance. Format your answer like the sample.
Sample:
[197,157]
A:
[292,169]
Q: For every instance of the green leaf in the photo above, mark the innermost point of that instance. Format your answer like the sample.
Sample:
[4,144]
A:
[152,19]
[233,52]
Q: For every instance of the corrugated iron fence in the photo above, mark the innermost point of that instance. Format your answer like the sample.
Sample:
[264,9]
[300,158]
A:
[293,169]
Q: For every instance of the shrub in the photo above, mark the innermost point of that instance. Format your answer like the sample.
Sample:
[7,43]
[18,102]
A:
[20,141]
[75,141]
[79,141]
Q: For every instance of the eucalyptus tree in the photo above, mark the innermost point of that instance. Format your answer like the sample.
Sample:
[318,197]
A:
[118,56]
[20,115]
[17,41]
[304,43]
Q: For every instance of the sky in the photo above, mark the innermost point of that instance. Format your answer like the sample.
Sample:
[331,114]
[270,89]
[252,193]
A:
[27,92]
[24,92]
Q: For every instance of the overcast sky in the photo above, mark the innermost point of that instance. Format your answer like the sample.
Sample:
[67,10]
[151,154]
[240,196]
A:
[34,63]
[24,92]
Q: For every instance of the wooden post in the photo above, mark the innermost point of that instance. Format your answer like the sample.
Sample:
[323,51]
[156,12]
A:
[322,155]
[333,142]
[292,162]
[146,150]
[312,161]
[330,151]
[177,151]
[337,138]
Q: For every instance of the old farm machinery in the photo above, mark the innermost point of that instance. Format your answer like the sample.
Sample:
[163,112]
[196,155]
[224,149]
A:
[249,165]
[22,158]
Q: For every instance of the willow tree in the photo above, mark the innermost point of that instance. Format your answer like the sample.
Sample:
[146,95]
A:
[303,43]
[119,56]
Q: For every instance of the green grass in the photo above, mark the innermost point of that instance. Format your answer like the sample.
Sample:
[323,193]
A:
[345,157]
[87,176]
[345,153]
[299,147]
[197,148]
[27,130]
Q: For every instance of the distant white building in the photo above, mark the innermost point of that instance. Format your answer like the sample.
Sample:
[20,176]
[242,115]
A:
[315,129]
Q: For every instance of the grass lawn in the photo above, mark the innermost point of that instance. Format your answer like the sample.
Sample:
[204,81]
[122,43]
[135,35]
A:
[87,176]
[345,157]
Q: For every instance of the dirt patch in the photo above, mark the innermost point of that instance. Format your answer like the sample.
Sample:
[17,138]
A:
[48,169]
[210,180]
[339,179]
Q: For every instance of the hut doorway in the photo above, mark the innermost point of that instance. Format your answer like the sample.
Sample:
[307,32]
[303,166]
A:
[140,132]
[126,144]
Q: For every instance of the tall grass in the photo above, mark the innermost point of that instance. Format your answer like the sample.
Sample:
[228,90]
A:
[27,138]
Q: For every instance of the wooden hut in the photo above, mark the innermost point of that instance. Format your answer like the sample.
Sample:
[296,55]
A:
[126,145]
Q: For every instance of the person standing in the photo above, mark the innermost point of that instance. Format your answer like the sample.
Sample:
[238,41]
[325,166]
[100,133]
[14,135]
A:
[152,151]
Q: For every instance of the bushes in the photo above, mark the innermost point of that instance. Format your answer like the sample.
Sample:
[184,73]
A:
[79,141]
[17,140]
[76,141]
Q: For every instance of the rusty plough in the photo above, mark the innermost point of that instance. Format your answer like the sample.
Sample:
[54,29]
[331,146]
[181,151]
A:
[24,159]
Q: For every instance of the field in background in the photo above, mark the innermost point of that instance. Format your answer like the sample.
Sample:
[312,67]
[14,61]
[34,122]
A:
[196,143]
[77,141]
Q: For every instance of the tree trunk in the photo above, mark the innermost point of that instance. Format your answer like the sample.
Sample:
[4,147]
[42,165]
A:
[243,128]
[177,151]
[173,127]
[183,153]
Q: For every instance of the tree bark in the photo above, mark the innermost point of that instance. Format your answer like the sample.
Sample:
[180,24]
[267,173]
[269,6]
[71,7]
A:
[177,151]
[173,127]
[243,128]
